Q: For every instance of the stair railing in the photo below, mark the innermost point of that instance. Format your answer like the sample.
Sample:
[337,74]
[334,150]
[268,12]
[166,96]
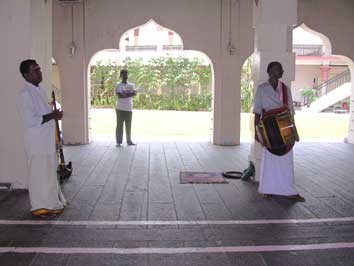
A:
[332,83]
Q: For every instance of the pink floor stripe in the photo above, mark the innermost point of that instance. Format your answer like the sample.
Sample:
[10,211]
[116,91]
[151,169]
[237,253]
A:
[202,222]
[125,251]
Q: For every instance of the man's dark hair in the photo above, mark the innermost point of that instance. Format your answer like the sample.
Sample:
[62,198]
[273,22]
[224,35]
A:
[273,64]
[25,66]
[123,71]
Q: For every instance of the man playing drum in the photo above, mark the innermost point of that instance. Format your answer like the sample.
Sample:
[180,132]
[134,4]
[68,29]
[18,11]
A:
[276,172]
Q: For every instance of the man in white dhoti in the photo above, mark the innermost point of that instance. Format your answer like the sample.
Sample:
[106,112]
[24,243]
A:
[45,195]
[276,172]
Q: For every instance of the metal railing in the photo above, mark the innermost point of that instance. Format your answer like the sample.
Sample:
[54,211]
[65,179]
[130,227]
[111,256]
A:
[131,48]
[137,48]
[333,83]
[308,49]
[172,47]
[298,49]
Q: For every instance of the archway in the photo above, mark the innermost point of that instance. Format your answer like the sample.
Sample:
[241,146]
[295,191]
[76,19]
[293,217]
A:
[157,63]
[247,94]
[56,80]
[322,86]
[314,63]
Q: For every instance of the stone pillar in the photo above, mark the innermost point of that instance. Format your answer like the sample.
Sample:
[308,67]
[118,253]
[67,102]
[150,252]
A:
[170,38]
[227,75]
[69,31]
[136,36]
[273,22]
[350,138]
[324,75]
[226,115]
[26,32]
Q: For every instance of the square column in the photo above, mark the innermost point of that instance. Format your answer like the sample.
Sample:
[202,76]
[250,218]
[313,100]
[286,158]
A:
[73,69]
[273,22]
[350,138]
[26,33]
[324,74]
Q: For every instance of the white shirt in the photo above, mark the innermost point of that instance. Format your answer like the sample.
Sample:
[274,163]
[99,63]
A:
[33,104]
[267,98]
[125,104]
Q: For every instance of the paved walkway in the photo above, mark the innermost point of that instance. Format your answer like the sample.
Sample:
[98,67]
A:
[221,224]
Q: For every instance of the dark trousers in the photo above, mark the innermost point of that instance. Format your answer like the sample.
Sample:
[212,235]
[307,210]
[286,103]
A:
[123,117]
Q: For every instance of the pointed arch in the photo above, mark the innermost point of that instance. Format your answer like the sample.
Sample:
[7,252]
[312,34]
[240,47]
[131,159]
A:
[327,46]
[167,33]
[328,57]
[122,40]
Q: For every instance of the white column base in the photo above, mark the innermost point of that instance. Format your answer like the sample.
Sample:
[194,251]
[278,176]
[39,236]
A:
[256,158]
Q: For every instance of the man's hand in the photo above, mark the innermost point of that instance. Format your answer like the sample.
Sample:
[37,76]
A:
[57,114]
[257,118]
[256,137]
[126,94]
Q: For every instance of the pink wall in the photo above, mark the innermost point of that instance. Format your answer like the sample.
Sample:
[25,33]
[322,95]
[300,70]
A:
[304,76]
[202,24]
[23,27]
[338,28]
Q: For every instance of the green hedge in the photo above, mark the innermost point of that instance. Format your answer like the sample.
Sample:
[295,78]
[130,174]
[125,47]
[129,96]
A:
[162,83]
[200,102]
[163,102]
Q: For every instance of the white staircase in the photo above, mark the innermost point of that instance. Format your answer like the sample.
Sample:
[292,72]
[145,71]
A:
[329,99]
[335,89]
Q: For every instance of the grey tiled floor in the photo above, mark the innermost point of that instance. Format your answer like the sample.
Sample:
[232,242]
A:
[142,183]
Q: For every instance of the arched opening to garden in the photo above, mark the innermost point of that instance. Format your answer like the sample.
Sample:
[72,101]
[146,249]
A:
[322,87]
[247,93]
[174,86]
[321,90]
[56,84]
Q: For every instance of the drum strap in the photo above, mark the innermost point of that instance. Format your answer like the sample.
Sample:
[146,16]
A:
[285,94]
[284,89]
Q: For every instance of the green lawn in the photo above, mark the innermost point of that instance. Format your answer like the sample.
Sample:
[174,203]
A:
[179,123]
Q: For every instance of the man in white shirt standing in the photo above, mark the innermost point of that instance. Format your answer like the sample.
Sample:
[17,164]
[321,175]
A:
[124,109]
[45,195]
[277,172]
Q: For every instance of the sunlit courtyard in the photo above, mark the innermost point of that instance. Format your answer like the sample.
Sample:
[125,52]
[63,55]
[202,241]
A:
[170,124]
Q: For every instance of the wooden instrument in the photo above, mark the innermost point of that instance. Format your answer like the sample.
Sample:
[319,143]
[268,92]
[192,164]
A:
[277,131]
[64,170]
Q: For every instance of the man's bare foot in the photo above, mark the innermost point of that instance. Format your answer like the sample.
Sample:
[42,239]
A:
[267,196]
[297,197]
[48,215]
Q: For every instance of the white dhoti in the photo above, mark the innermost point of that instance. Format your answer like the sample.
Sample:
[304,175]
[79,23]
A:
[39,140]
[277,174]
[43,186]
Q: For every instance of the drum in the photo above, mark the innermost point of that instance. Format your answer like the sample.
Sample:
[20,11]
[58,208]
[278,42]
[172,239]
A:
[277,131]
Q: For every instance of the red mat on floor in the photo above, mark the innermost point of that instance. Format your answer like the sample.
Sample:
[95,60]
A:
[202,178]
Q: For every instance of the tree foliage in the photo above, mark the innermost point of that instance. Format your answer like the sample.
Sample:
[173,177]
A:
[162,83]
[309,95]
[247,86]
